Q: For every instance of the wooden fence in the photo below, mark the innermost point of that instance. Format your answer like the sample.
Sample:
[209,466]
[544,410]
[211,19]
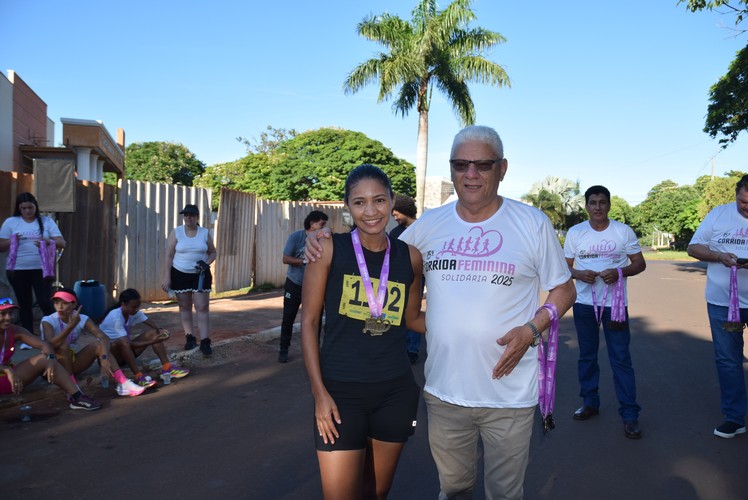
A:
[235,237]
[147,213]
[276,220]
[117,235]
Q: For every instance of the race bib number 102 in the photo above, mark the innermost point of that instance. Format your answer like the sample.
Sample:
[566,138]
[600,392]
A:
[353,303]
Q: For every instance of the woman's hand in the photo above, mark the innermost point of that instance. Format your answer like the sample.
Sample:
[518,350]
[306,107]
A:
[166,285]
[326,413]
[49,372]
[15,381]
[106,368]
[75,318]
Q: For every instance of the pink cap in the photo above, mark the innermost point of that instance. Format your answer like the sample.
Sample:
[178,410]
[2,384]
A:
[7,303]
[64,296]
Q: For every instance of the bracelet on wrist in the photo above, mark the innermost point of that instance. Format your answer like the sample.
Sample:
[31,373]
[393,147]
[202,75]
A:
[535,333]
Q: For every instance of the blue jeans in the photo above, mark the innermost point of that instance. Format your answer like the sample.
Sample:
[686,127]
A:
[617,341]
[728,353]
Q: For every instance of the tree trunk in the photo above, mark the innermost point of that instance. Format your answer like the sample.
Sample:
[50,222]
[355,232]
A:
[422,153]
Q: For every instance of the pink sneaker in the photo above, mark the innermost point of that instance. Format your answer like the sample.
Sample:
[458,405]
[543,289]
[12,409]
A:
[129,388]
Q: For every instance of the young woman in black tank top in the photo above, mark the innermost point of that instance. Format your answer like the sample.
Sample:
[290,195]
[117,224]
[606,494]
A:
[364,392]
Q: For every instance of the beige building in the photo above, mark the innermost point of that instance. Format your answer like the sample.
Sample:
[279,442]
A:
[438,189]
[27,134]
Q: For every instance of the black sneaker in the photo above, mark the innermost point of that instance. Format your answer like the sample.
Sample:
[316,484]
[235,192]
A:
[83,403]
[190,342]
[283,356]
[205,347]
[729,430]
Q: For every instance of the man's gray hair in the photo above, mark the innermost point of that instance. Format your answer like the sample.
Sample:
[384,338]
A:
[479,133]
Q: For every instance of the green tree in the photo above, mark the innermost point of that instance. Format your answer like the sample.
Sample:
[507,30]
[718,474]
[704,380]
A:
[314,165]
[571,207]
[309,166]
[434,49]
[727,113]
[248,174]
[551,204]
[167,162]
[719,191]
[670,208]
[621,211]
[268,141]
[740,12]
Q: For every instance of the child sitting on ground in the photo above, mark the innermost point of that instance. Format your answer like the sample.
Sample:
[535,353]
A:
[117,325]
[62,330]
[13,377]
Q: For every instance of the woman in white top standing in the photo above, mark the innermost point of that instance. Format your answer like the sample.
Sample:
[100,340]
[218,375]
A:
[189,253]
[28,227]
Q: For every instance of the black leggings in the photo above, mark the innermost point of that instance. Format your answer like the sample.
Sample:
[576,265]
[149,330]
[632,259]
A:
[23,282]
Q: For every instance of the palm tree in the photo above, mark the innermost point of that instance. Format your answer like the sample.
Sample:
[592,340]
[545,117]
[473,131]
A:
[436,48]
[550,203]
[567,200]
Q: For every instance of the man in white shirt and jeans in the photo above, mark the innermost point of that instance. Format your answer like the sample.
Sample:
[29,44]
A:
[722,241]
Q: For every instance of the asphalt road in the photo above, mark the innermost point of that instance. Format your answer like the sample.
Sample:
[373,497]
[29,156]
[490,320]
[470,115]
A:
[243,429]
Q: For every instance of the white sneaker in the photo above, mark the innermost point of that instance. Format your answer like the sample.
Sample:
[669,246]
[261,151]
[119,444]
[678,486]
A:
[25,347]
[129,388]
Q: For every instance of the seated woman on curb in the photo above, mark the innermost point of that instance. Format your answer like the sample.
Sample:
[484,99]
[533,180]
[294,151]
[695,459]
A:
[117,325]
[14,377]
[62,330]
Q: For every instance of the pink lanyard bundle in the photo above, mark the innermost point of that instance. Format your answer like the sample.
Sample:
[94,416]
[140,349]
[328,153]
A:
[547,370]
[617,306]
[733,323]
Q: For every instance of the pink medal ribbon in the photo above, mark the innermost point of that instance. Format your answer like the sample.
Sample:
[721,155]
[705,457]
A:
[12,253]
[47,250]
[377,324]
[618,303]
[599,312]
[733,323]
[547,370]
[5,347]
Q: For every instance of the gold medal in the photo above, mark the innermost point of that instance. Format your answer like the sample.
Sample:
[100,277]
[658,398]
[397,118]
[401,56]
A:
[733,326]
[376,326]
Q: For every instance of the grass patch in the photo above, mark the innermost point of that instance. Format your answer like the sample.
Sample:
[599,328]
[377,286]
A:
[668,255]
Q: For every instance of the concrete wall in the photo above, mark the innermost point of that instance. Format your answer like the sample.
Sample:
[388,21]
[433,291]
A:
[6,124]
[29,119]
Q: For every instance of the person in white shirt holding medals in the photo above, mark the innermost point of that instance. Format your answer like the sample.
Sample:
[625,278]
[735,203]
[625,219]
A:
[722,241]
[365,394]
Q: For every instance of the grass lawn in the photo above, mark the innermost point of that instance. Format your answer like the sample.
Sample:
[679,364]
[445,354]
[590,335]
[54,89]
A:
[668,255]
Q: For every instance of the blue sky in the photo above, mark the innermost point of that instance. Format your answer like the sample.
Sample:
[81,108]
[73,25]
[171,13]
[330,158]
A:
[611,93]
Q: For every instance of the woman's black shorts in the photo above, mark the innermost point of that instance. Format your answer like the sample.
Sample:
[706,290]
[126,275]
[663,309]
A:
[189,282]
[384,411]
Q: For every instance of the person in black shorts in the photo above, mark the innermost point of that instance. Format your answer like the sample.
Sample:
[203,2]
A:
[364,392]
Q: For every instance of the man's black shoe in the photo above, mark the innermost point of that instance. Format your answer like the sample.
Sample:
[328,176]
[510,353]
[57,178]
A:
[585,412]
[632,429]
[283,356]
